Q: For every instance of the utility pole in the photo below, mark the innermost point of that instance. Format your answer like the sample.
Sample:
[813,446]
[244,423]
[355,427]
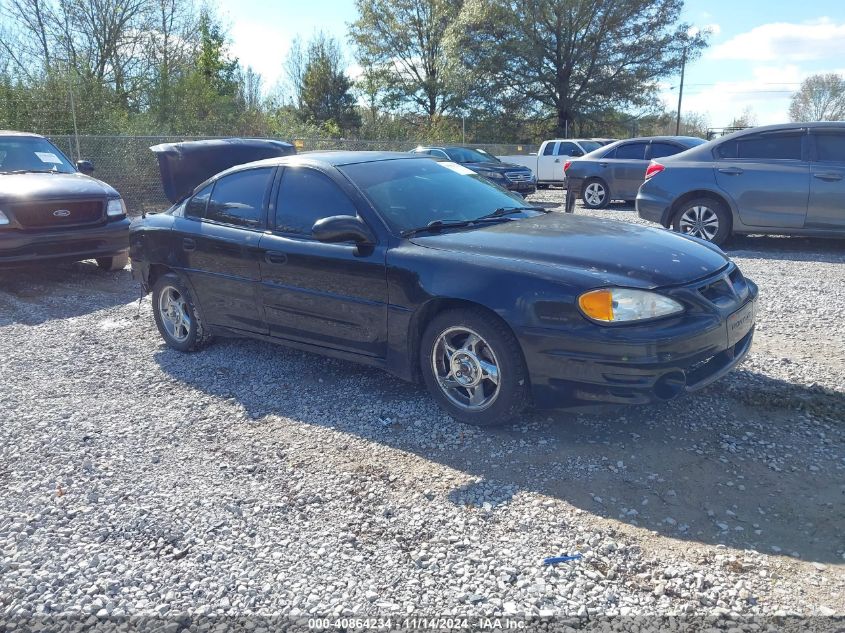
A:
[681,92]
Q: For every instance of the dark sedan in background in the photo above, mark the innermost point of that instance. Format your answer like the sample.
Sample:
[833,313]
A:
[425,269]
[512,177]
[51,210]
[616,171]
[780,179]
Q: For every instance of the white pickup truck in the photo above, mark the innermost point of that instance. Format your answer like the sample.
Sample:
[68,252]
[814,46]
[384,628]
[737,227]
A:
[547,164]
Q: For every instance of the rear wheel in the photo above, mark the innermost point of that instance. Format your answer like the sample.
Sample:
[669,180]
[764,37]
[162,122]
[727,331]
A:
[473,367]
[595,194]
[176,315]
[705,218]
[111,264]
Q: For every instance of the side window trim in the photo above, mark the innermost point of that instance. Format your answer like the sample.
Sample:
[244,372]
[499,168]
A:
[198,191]
[440,153]
[263,220]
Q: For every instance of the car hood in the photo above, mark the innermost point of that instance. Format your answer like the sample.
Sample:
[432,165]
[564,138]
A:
[183,166]
[26,187]
[497,167]
[609,252]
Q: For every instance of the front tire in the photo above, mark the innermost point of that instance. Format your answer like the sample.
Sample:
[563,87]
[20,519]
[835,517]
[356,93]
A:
[177,316]
[706,218]
[113,264]
[595,194]
[473,367]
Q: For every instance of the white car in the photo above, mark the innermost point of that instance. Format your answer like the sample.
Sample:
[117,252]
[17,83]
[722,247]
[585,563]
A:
[547,164]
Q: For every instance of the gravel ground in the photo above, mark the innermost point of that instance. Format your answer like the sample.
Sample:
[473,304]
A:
[250,479]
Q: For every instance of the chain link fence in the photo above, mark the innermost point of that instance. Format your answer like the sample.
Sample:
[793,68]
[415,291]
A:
[126,162]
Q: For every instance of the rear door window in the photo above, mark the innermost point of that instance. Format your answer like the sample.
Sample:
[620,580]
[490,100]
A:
[238,199]
[830,147]
[763,147]
[631,151]
[659,150]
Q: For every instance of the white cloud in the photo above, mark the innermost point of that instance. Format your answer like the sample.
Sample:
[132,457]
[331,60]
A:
[262,47]
[786,42]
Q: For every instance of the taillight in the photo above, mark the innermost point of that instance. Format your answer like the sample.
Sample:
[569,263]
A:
[567,165]
[653,169]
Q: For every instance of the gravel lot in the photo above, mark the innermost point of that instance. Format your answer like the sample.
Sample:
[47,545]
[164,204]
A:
[250,479]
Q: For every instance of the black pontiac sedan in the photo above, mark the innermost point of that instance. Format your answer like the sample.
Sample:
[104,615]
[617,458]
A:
[426,270]
[51,209]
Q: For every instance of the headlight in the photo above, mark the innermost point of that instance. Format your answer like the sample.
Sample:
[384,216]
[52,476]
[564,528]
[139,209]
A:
[116,208]
[4,220]
[493,175]
[620,305]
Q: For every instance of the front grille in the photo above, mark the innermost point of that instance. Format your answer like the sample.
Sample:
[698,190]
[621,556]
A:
[726,290]
[46,215]
[519,176]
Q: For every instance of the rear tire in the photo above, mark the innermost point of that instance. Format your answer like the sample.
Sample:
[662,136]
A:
[706,218]
[473,367]
[177,316]
[595,194]
[112,264]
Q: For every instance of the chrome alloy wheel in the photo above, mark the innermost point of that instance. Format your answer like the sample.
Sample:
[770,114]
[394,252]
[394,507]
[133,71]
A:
[594,193]
[700,221]
[466,368]
[175,313]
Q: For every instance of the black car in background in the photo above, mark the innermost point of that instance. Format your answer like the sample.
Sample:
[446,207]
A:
[512,177]
[616,171]
[786,179]
[425,269]
[52,210]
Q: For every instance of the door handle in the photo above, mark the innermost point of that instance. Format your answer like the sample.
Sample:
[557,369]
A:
[188,244]
[557,160]
[829,176]
[731,171]
[603,164]
[275,257]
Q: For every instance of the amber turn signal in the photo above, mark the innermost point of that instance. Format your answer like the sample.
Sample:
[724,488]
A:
[597,304]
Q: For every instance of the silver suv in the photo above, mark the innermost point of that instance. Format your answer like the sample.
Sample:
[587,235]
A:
[780,179]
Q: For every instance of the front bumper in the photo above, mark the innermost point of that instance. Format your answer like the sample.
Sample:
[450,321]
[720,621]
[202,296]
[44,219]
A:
[638,365]
[71,244]
[525,188]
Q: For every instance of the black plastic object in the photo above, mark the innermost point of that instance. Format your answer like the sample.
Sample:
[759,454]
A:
[183,166]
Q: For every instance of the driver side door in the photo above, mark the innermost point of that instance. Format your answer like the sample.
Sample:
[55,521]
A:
[331,295]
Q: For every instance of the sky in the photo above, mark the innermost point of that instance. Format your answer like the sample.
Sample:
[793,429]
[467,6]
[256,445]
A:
[760,50]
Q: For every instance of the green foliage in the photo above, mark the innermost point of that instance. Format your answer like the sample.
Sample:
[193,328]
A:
[820,98]
[326,98]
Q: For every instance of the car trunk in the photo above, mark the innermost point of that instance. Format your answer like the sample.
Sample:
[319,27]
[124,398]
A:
[183,166]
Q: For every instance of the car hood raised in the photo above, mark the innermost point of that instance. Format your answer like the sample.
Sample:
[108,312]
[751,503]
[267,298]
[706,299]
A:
[25,187]
[183,166]
[608,252]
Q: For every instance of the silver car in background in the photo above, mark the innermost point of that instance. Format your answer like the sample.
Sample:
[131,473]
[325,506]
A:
[784,179]
[616,171]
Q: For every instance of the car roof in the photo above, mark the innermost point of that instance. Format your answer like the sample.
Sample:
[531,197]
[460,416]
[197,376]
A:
[324,158]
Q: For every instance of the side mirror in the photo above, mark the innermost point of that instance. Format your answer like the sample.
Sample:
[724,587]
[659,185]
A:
[342,228]
[576,153]
[85,167]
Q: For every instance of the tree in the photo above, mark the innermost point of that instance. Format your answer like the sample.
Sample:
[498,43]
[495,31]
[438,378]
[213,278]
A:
[820,98]
[748,118]
[567,57]
[404,41]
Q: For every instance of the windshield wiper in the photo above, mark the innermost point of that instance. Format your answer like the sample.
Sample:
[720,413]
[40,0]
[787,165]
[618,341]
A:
[436,225]
[503,211]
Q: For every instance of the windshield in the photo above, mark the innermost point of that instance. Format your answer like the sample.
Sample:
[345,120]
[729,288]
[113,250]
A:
[412,193]
[30,153]
[465,155]
[589,146]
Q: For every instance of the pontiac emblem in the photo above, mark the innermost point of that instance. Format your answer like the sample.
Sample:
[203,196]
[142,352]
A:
[61,213]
